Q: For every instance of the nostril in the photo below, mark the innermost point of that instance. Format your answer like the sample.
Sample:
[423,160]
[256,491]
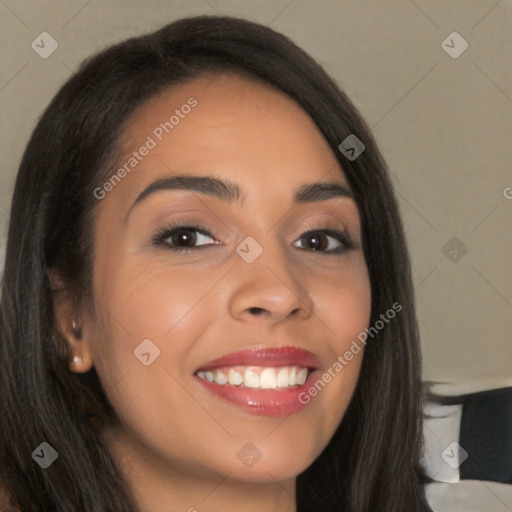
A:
[256,311]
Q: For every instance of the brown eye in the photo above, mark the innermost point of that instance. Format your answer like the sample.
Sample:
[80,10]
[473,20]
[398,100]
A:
[329,241]
[317,241]
[183,238]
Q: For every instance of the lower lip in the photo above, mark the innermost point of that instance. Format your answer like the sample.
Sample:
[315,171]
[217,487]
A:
[265,402]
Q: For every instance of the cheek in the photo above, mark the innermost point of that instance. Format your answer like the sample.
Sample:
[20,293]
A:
[141,302]
[344,302]
[153,300]
[151,319]
[344,308]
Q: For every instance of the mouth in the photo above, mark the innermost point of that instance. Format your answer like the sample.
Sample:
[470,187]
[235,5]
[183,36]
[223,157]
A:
[263,381]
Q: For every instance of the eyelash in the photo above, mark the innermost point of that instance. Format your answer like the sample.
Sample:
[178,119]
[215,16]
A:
[162,235]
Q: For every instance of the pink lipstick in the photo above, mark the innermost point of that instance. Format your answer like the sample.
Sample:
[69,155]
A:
[266,381]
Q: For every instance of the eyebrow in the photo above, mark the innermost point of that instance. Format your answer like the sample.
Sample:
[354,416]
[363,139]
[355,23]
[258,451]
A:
[230,192]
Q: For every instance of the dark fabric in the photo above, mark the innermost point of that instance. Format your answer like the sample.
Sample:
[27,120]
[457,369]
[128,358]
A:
[486,434]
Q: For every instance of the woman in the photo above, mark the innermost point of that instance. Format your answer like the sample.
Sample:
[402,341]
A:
[273,362]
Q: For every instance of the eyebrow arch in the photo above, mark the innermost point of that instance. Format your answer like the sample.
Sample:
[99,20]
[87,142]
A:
[230,192]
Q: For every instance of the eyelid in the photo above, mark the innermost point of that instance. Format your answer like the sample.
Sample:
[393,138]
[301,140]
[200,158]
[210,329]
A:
[323,224]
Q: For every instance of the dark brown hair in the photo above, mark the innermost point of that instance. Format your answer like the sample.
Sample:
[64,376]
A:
[372,461]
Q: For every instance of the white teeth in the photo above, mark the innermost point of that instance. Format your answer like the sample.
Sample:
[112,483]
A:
[251,379]
[293,376]
[220,378]
[234,377]
[302,376]
[268,379]
[283,378]
[257,376]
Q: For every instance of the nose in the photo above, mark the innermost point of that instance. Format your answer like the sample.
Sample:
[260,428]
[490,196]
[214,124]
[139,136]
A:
[269,289]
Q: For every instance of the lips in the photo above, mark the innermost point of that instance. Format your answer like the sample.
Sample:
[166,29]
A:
[242,379]
[268,357]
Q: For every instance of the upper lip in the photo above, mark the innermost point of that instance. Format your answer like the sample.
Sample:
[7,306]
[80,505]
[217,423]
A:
[269,357]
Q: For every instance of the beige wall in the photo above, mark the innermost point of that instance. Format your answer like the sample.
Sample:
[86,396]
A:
[443,124]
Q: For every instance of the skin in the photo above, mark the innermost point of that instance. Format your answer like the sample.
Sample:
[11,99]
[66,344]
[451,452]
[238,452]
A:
[178,444]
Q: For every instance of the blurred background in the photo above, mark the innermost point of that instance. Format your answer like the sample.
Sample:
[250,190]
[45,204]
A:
[433,80]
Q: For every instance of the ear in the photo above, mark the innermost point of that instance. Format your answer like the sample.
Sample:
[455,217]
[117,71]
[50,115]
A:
[72,325]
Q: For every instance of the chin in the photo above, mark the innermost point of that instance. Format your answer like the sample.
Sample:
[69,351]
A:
[268,464]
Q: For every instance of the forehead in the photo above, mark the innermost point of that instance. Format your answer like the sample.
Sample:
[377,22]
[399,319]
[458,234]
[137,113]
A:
[241,130]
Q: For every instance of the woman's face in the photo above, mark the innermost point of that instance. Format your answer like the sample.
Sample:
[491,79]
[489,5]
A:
[249,280]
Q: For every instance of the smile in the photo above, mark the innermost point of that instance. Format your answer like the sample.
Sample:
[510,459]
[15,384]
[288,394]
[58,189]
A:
[265,381]
[257,376]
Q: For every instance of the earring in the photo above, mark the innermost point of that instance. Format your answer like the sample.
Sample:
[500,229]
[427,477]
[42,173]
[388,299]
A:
[77,359]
